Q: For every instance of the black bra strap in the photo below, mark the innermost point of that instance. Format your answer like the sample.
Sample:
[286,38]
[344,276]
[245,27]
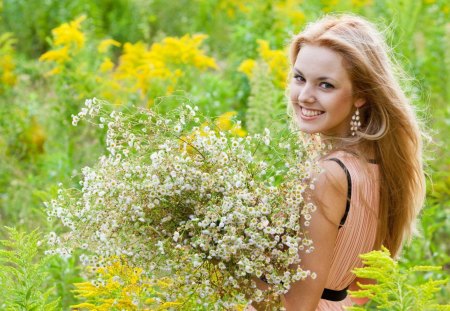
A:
[349,189]
[334,295]
[327,294]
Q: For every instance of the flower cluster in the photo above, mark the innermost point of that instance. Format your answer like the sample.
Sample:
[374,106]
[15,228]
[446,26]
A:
[141,68]
[68,39]
[170,189]
[119,286]
[276,60]
[7,63]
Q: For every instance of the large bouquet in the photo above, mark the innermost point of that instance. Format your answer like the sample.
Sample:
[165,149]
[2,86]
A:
[179,197]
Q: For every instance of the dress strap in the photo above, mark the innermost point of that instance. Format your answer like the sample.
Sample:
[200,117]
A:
[349,189]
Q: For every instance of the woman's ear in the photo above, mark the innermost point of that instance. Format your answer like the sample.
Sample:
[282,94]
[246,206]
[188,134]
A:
[359,102]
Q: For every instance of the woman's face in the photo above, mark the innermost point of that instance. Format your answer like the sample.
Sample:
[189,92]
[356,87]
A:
[321,92]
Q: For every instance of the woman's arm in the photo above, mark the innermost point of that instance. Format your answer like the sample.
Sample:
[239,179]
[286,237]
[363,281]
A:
[330,197]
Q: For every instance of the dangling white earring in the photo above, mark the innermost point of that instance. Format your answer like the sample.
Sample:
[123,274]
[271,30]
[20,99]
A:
[355,123]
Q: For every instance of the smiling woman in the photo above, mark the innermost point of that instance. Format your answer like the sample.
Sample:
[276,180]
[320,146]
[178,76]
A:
[371,188]
[321,92]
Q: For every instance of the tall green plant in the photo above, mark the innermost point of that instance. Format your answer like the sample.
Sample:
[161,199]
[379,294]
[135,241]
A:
[393,290]
[23,274]
[266,104]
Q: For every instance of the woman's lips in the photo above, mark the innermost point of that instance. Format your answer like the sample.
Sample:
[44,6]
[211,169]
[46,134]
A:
[310,114]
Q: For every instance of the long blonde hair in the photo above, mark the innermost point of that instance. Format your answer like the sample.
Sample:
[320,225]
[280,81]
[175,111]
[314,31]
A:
[389,122]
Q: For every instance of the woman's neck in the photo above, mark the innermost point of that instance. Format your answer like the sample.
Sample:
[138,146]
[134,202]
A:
[364,148]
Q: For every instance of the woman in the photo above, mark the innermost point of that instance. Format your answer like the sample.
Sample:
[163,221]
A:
[372,187]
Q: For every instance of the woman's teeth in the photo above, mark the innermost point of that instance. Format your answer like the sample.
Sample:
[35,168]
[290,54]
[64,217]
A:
[310,113]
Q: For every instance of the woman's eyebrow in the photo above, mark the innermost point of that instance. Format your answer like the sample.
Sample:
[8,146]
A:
[319,78]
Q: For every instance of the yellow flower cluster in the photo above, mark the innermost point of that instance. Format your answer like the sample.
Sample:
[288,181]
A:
[105,44]
[7,64]
[276,60]
[122,288]
[231,7]
[222,123]
[68,40]
[69,34]
[148,71]
[289,12]
[361,3]
[141,69]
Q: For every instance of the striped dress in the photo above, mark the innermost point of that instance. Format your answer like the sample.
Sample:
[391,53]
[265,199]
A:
[357,235]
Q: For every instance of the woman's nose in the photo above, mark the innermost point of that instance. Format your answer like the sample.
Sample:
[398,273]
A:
[306,95]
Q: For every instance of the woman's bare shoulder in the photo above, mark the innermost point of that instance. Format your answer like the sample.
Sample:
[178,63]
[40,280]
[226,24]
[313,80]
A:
[330,190]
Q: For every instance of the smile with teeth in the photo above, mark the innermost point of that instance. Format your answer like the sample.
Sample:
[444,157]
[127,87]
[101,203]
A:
[311,113]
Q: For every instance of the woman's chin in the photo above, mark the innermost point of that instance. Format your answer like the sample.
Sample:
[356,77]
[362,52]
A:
[306,129]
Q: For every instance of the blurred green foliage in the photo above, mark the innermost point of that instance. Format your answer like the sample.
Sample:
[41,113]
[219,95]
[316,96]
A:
[39,147]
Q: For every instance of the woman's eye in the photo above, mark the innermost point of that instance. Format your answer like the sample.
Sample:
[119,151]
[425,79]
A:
[326,85]
[299,78]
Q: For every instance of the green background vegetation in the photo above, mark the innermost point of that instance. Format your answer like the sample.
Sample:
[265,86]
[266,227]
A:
[40,148]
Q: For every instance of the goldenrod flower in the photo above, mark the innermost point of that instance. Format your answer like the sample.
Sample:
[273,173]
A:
[275,59]
[231,7]
[7,67]
[238,131]
[105,44]
[184,50]
[53,72]
[8,78]
[169,304]
[7,63]
[69,34]
[246,67]
[58,56]
[289,12]
[361,3]
[160,66]
[106,65]
[329,5]
[123,288]
[223,122]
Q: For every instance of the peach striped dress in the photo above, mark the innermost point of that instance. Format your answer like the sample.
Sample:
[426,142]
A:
[357,235]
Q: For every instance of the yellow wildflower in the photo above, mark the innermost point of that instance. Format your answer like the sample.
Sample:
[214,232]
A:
[169,304]
[67,40]
[238,131]
[105,44]
[8,78]
[53,72]
[277,61]
[7,66]
[247,67]
[184,50]
[329,5]
[7,63]
[106,65]
[69,34]
[158,68]
[223,122]
[121,288]
[361,3]
[289,11]
[58,56]
[231,7]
